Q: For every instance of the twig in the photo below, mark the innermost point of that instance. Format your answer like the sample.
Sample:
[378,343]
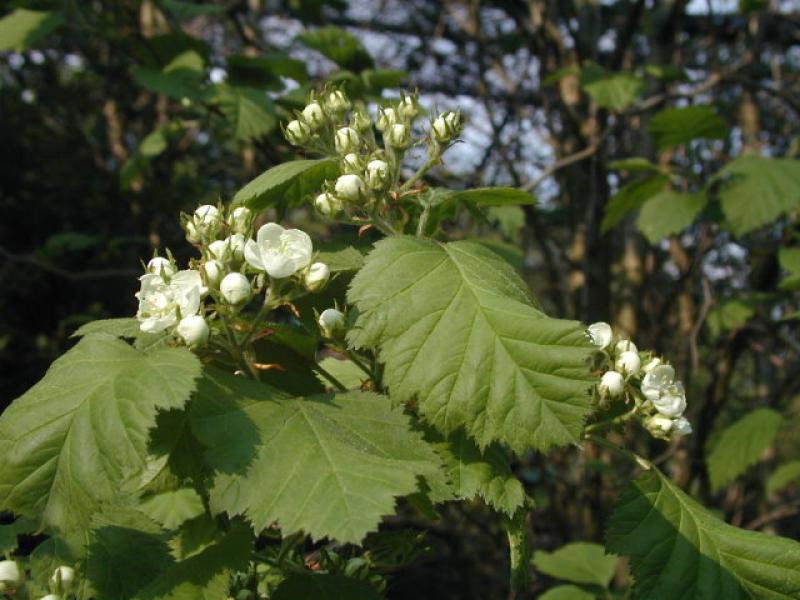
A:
[560,164]
[779,513]
[708,301]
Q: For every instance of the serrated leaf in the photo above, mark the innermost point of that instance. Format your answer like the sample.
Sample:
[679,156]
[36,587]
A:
[567,592]
[250,112]
[77,435]
[668,213]
[495,196]
[286,183]
[741,445]
[323,586]
[338,45]
[459,335]
[346,260]
[345,371]
[679,549]
[783,476]
[474,473]
[758,190]
[124,327]
[789,259]
[630,197]
[22,28]
[356,454]
[173,507]
[610,90]
[578,562]
[673,127]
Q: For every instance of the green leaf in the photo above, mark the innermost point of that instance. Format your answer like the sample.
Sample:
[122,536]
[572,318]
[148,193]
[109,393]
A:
[741,445]
[668,213]
[679,549]
[287,183]
[789,259]
[567,592]
[355,452]
[495,196]
[346,371]
[474,473]
[610,90]
[374,81]
[783,476]
[23,28]
[338,45]
[578,562]
[250,112]
[73,439]
[324,586]
[345,260]
[181,78]
[174,507]
[633,164]
[459,335]
[124,327]
[758,190]
[729,314]
[9,533]
[188,10]
[630,197]
[673,127]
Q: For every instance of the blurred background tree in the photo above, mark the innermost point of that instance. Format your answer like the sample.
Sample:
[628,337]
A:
[658,137]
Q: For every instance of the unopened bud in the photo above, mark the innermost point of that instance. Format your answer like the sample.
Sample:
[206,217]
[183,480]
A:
[297,133]
[386,118]
[601,334]
[628,363]
[360,120]
[611,385]
[681,426]
[313,115]
[337,102]
[658,426]
[346,140]
[377,173]
[408,107]
[350,187]
[194,330]
[625,346]
[10,575]
[240,220]
[63,579]
[332,323]
[327,204]
[446,126]
[161,266]
[398,135]
[317,276]
[352,163]
[235,288]
[213,271]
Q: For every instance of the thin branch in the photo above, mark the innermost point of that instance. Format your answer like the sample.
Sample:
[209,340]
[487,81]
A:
[560,164]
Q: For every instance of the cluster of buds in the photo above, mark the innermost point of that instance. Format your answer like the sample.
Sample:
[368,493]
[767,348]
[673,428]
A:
[234,268]
[370,151]
[641,379]
[62,582]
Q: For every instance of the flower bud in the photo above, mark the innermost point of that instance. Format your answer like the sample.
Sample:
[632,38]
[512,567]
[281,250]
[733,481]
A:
[50,597]
[332,323]
[398,135]
[360,120]
[161,266]
[219,250]
[206,221]
[446,126]
[601,334]
[240,220]
[377,174]
[212,271]
[681,427]
[628,363]
[352,163]
[658,426]
[327,204]
[346,140]
[297,132]
[337,102]
[625,346]
[10,575]
[63,579]
[611,385]
[235,288]
[386,118]
[192,235]
[317,276]
[408,107]
[194,330]
[350,187]
[313,115]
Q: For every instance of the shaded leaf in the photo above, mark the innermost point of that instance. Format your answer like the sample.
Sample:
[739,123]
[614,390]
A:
[495,196]
[345,371]
[338,45]
[124,327]
[789,259]
[250,112]
[188,10]
[610,90]
[323,586]
[567,592]
[578,562]
[10,532]
[728,315]
[668,213]
[630,197]
[346,260]
[23,28]
[783,476]
[673,127]
[174,507]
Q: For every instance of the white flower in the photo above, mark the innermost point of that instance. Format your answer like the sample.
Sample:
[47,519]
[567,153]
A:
[331,322]
[337,101]
[658,425]
[350,187]
[297,132]
[9,573]
[657,381]
[50,597]
[408,107]
[278,251]
[346,140]
[313,115]
[63,579]
[235,288]
[681,426]
[351,163]
[386,118]
[651,364]
[672,401]
[213,271]
[317,276]
[611,384]
[240,219]
[446,126]
[601,334]
[625,346]
[628,363]
[161,304]
[327,204]
[398,135]
[377,173]
[194,330]
[159,265]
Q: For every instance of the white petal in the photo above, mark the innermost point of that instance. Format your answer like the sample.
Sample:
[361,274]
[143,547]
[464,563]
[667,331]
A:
[253,256]
[299,247]
[278,265]
[269,234]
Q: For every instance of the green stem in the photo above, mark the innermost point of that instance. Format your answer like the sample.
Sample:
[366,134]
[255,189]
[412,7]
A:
[519,550]
[357,361]
[632,456]
[618,420]
[336,383]
[423,221]
[419,174]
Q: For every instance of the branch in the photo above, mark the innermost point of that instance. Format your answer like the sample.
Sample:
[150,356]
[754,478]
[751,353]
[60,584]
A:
[560,164]
[64,273]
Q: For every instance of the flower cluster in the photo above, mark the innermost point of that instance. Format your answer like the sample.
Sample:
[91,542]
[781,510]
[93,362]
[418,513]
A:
[641,379]
[62,582]
[370,151]
[233,269]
